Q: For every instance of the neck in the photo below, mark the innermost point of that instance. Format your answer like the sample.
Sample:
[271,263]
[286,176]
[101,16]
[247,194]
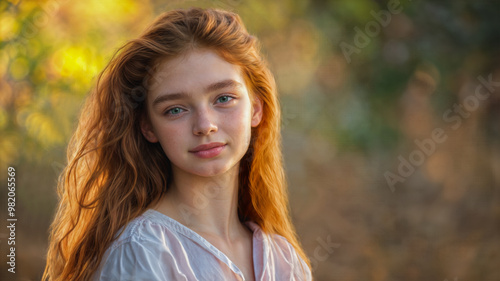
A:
[207,205]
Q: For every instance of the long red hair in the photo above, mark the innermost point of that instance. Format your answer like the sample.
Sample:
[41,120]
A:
[114,174]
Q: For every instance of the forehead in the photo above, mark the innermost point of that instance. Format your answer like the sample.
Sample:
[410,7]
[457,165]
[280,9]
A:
[192,71]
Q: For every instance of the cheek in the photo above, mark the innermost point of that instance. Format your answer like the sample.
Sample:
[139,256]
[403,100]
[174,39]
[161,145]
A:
[171,138]
[239,123]
[240,118]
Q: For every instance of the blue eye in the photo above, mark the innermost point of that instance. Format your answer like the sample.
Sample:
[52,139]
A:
[174,111]
[224,99]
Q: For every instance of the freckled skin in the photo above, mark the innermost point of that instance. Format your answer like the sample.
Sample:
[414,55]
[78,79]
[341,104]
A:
[223,115]
[202,117]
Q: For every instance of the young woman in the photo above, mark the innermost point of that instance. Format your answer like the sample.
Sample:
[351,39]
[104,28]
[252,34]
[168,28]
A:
[175,170]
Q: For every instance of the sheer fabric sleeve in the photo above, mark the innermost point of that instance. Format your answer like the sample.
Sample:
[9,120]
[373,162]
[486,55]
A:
[139,261]
[301,268]
[288,263]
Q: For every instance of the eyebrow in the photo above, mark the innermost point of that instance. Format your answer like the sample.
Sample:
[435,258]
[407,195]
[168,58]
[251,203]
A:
[210,88]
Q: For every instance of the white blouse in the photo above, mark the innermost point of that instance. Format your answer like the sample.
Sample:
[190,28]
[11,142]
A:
[156,247]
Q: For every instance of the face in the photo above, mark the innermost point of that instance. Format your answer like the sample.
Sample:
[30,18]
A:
[201,113]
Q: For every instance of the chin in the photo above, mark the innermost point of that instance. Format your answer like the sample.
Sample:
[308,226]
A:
[212,171]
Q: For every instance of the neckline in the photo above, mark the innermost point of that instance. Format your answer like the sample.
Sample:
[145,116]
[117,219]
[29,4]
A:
[179,227]
[257,239]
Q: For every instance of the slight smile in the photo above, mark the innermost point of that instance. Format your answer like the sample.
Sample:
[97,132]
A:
[208,150]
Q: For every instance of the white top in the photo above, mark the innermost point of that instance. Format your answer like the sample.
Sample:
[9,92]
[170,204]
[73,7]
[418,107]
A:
[156,247]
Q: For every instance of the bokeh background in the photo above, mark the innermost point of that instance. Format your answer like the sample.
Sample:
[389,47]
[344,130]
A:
[391,129]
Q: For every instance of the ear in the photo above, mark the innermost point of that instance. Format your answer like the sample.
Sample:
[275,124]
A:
[147,130]
[257,109]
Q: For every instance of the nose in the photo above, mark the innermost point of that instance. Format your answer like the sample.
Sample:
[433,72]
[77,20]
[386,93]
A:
[204,123]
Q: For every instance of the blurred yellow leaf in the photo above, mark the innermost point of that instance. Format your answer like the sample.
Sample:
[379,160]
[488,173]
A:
[77,62]
[9,149]
[3,118]
[19,68]
[8,27]
[43,128]
[4,62]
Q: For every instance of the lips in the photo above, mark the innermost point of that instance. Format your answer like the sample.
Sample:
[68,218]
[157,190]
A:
[208,150]
[206,146]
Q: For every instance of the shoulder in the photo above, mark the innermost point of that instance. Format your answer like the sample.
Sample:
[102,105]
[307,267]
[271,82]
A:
[144,229]
[141,251]
[279,254]
[274,243]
